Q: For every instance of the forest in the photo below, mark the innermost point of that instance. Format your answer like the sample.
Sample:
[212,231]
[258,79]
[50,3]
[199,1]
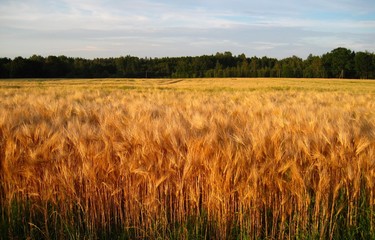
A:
[338,63]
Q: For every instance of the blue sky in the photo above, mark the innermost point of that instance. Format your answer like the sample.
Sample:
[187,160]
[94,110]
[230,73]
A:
[145,28]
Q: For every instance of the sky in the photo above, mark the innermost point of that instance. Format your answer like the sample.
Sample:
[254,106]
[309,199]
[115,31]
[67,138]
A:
[170,28]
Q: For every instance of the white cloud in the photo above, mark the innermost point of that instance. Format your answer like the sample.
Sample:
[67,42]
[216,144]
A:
[147,28]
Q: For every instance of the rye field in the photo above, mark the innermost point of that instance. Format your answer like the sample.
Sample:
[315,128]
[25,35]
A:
[187,159]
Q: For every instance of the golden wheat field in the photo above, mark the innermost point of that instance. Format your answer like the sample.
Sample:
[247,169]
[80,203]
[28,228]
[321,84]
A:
[187,159]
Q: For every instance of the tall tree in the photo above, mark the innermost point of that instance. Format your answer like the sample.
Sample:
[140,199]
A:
[5,64]
[363,64]
[19,68]
[340,63]
[313,67]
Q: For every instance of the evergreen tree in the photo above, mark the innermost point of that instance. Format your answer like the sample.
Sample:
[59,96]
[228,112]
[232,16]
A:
[363,64]
[340,62]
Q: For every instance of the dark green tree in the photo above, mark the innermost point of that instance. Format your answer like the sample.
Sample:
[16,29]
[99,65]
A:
[36,66]
[56,67]
[363,64]
[218,70]
[5,64]
[339,63]
[19,68]
[313,67]
[292,67]
[254,62]
[182,69]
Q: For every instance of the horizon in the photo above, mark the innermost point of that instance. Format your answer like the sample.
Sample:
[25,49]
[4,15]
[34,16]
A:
[192,56]
[94,29]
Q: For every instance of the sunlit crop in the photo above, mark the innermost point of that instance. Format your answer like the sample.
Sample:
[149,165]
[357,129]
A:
[174,161]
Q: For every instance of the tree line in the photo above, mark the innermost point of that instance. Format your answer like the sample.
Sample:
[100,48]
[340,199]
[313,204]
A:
[339,63]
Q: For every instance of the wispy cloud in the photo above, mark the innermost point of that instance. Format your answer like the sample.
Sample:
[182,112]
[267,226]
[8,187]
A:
[149,28]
